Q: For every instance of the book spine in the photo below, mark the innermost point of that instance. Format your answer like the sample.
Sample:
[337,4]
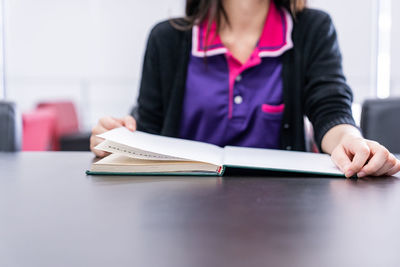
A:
[221,170]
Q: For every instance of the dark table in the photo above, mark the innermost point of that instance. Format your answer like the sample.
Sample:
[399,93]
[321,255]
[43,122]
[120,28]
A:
[52,214]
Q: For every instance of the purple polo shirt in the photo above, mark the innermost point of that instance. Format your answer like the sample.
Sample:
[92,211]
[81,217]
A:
[230,103]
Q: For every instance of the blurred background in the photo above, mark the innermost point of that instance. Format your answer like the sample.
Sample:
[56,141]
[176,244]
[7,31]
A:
[89,52]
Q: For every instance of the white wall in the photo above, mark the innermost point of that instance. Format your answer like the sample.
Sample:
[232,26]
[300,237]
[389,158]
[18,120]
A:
[355,23]
[90,51]
[395,45]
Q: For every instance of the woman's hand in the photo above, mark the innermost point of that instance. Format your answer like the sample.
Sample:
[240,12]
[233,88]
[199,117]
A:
[355,155]
[105,124]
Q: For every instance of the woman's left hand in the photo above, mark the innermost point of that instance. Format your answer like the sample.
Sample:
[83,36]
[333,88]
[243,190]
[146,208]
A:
[355,155]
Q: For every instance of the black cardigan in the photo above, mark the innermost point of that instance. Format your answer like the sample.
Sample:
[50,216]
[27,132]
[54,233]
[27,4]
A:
[313,81]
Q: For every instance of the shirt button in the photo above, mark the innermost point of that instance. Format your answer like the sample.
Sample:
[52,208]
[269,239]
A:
[238,99]
[238,78]
[286,126]
[288,148]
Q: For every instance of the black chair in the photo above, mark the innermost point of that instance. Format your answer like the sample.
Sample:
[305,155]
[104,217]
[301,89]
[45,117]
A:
[81,141]
[380,121]
[10,127]
[75,142]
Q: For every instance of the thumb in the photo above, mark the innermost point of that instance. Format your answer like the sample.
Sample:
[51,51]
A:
[341,159]
[129,122]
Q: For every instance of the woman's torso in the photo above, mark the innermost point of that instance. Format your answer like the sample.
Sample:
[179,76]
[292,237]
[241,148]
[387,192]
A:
[227,102]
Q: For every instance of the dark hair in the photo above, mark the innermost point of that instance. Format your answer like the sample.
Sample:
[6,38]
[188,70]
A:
[198,10]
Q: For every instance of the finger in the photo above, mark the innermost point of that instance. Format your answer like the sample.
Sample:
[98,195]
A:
[110,123]
[100,154]
[341,159]
[379,161]
[395,169]
[94,141]
[98,129]
[119,120]
[382,171]
[361,153]
[389,164]
[129,122]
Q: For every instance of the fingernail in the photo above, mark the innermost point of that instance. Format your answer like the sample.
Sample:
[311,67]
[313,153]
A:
[349,173]
[361,174]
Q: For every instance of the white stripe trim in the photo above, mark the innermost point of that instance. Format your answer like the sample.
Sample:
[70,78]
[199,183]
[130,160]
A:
[289,41]
[223,50]
[195,48]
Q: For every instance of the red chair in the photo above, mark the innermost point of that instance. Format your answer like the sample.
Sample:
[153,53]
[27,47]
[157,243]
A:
[66,135]
[38,130]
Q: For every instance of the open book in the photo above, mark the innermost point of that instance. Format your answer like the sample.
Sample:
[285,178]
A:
[139,153]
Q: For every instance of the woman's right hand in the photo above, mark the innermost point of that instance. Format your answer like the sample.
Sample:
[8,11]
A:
[105,124]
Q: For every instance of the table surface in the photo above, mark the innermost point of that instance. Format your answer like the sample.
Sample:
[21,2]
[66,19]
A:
[52,214]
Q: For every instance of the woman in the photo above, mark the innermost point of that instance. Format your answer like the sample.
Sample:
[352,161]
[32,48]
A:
[245,73]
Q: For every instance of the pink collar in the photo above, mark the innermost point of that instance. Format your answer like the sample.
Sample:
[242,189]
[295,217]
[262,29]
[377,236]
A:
[275,39]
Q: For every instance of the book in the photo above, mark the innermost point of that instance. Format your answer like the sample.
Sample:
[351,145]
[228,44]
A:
[139,153]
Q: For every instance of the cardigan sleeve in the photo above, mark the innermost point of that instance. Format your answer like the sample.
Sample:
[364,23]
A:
[327,98]
[149,112]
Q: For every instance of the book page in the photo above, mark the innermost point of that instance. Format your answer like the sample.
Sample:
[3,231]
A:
[168,146]
[280,160]
[117,148]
